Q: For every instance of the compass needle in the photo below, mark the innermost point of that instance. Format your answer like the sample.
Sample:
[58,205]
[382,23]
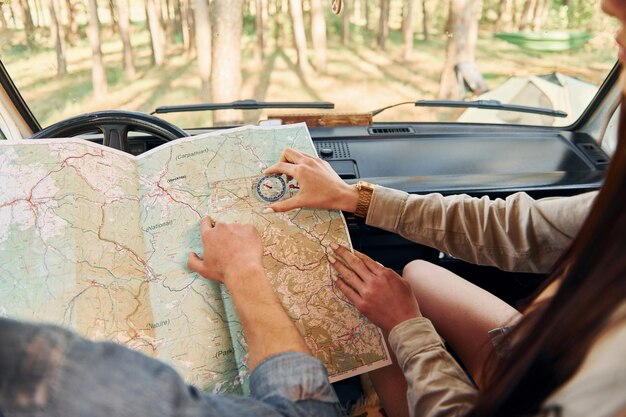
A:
[271,188]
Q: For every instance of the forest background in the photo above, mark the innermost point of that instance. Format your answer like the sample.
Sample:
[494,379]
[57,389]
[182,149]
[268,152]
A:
[73,56]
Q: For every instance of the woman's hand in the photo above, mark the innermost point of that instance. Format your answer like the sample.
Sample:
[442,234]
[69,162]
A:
[229,251]
[379,293]
[320,186]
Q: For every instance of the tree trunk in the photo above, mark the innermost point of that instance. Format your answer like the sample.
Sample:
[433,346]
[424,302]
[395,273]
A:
[178,21]
[514,13]
[503,8]
[425,21]
[39,19]
[285,25]
[297,19]
[72,24]
[157,33]
[358,12]
[527,14]
[203,46]
[3,21]
[123,22]
[114,18]
[407,30]
[260,23]
[383,24]
[168,22]
[540,9]
[12,12]
[98,75]
[58,36]
[460,67]
[318,35]
[347,10]
[226,23]
[368,15]
[185,24]
[54,25]
[27,21]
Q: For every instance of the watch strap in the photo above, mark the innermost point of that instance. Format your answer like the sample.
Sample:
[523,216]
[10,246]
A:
[366,190]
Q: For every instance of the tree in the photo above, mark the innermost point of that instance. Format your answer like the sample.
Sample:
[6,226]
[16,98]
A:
[203,46]
[539,14]
[226,26]
[27,21]
[72,34]
[168,21]
[157,33]
[98,75]
[425,20]
[527,14]
[58,36]
[187,26]
[383,24]
[123,23]
[113,14]
[347,7]
[407,30]
[297,20]
[460,68]
[3,21]
[39,16]
[318,35]
[260,23]
[504,12]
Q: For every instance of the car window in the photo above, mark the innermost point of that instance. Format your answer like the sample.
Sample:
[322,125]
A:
[70,57]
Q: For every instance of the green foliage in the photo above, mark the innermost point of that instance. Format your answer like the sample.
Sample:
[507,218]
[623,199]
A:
[249,28]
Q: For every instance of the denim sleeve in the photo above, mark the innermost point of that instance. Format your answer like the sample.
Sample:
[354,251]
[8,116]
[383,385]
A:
[48,371]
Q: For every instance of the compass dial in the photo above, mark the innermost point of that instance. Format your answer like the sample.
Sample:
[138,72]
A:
[271,188]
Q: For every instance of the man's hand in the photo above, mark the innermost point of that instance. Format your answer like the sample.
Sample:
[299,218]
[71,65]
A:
[320,186]
[379,293]
[232,254]
[229,251]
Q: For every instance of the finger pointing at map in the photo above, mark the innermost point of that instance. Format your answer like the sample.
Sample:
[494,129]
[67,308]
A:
[227,250]
[320,186]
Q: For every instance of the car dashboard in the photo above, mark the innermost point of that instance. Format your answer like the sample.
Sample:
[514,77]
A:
[451,158]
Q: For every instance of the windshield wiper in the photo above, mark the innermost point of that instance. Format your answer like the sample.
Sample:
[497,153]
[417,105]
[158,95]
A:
[245,105]
[479,104]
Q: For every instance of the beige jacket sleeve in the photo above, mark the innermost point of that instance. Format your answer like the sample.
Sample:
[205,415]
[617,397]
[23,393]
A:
[437,386]
[514,234]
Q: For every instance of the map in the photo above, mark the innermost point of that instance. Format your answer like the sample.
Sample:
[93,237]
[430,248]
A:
[97,240]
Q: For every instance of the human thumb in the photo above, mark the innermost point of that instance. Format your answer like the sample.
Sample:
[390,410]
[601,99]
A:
[196,264]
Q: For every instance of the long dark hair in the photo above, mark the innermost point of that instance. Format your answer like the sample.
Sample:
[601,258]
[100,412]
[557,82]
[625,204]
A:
[552,340]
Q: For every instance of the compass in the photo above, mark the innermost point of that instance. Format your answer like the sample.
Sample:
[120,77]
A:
[270,188]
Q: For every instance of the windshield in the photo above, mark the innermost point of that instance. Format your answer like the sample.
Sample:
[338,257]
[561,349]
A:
[73,56]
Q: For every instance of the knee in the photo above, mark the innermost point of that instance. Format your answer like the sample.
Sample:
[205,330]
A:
[417,270]
[423,277]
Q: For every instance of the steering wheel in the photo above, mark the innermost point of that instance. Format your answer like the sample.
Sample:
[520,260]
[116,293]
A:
[114,125]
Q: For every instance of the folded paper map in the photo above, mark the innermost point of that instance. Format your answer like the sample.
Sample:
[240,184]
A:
[97,240]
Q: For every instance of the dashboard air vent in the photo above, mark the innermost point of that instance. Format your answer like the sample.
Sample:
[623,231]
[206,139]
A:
[400,130]
[333,149]
[593,151]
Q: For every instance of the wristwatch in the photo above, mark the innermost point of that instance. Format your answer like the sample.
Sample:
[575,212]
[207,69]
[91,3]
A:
[365,197]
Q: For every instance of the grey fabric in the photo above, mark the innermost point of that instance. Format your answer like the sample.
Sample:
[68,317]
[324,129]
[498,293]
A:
[48,371]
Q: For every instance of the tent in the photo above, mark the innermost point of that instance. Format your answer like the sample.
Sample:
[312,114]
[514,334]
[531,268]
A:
[554,91]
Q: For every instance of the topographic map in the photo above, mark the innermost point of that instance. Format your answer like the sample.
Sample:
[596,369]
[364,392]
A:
[97,240]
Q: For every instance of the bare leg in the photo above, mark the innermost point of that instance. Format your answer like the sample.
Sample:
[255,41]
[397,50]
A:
[462,312]
[390,385]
